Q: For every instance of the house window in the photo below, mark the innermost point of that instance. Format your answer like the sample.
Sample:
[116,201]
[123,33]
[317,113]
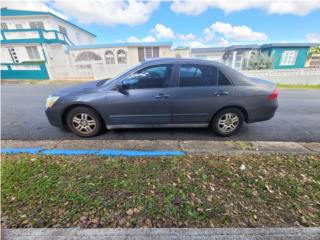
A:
[4,26]
[36,25]
[147,52]
[109,56]
[122,56]
[288,58]
[63,30]
[33,53]
[141,54]
[87,56]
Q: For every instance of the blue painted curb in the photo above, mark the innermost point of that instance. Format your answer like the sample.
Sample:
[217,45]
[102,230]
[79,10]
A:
[21,150]
[103,152]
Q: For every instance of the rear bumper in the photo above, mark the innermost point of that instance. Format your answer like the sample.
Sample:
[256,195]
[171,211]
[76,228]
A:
[262,113]
[54,116]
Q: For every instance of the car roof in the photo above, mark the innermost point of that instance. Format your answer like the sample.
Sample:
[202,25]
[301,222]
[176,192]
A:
[180,60]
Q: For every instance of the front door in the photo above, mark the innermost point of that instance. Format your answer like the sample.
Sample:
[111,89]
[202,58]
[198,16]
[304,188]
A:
[146,100]
[199,95]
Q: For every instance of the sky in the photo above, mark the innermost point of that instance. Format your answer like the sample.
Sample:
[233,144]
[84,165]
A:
[189,23]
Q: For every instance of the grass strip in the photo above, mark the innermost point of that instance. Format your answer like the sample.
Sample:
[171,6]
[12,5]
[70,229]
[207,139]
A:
[298,86]
[189,191]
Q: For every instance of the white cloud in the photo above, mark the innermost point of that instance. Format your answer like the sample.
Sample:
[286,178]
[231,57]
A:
[109,13]
[297,7]
[222,41]
[208,34]
[237,33]
[162,31]
[313,37]
[145,39]
[32,5]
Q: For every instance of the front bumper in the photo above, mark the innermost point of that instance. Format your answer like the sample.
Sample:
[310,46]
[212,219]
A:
[54,116]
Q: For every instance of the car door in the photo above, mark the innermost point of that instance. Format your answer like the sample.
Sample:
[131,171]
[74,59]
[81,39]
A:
[198,94]
[146,101]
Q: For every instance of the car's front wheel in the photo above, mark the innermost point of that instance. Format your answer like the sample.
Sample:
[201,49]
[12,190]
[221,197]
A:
[84,122]
[227,122]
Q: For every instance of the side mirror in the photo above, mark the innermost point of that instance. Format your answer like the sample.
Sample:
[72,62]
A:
[123,88]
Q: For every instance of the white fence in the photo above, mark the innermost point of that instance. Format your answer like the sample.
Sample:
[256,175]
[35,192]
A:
[85,71]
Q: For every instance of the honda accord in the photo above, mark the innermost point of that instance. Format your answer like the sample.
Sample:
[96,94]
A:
[165,92]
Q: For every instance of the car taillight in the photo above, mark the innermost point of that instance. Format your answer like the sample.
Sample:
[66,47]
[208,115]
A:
[274,94]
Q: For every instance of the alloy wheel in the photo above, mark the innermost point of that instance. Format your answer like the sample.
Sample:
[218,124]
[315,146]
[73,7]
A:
[228,122]
[84,123]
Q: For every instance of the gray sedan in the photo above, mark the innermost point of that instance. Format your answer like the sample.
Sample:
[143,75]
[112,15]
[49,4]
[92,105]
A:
[165,92]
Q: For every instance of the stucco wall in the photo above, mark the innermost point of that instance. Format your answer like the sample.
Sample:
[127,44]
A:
[21,53]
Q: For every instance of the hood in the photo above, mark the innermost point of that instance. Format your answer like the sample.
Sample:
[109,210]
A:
[80,88]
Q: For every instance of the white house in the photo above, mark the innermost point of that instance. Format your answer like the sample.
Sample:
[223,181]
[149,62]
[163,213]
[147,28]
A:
[31,41]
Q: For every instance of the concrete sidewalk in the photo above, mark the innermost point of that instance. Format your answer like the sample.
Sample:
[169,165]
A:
[189,147]
[164,234]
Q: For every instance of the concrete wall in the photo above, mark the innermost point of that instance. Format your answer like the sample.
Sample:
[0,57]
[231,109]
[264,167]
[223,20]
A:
[304,76]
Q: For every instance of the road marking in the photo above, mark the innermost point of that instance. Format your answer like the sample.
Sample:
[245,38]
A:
[102,152]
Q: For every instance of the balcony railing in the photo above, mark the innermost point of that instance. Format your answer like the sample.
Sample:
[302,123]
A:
[35,70]
[33,36]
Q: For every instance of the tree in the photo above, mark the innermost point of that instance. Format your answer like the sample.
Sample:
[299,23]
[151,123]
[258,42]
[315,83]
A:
[260,61]
[315,50]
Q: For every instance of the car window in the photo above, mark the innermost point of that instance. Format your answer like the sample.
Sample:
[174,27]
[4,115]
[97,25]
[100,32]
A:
[150,77]
[194,75]
[223,80]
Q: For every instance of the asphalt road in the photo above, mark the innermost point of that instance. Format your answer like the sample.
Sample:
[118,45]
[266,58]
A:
[23,118]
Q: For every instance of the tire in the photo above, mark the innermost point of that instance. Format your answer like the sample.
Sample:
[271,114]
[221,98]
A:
[84,122]
[227,122]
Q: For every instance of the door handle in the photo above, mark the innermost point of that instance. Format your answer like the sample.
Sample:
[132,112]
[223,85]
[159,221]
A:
[220,93]
[162,96]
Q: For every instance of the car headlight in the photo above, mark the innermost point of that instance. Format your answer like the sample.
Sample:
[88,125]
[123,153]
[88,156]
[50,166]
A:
[51,100]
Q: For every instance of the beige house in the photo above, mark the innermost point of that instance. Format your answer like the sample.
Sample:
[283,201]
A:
[108,60]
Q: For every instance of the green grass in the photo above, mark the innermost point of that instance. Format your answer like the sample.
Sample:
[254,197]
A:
[190,191]
[289,86]
[242,145]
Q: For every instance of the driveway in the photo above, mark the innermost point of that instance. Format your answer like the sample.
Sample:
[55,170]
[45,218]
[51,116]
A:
[23,118]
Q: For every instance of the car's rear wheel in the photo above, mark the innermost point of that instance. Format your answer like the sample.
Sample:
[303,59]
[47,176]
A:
[227,122]
[84,122]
